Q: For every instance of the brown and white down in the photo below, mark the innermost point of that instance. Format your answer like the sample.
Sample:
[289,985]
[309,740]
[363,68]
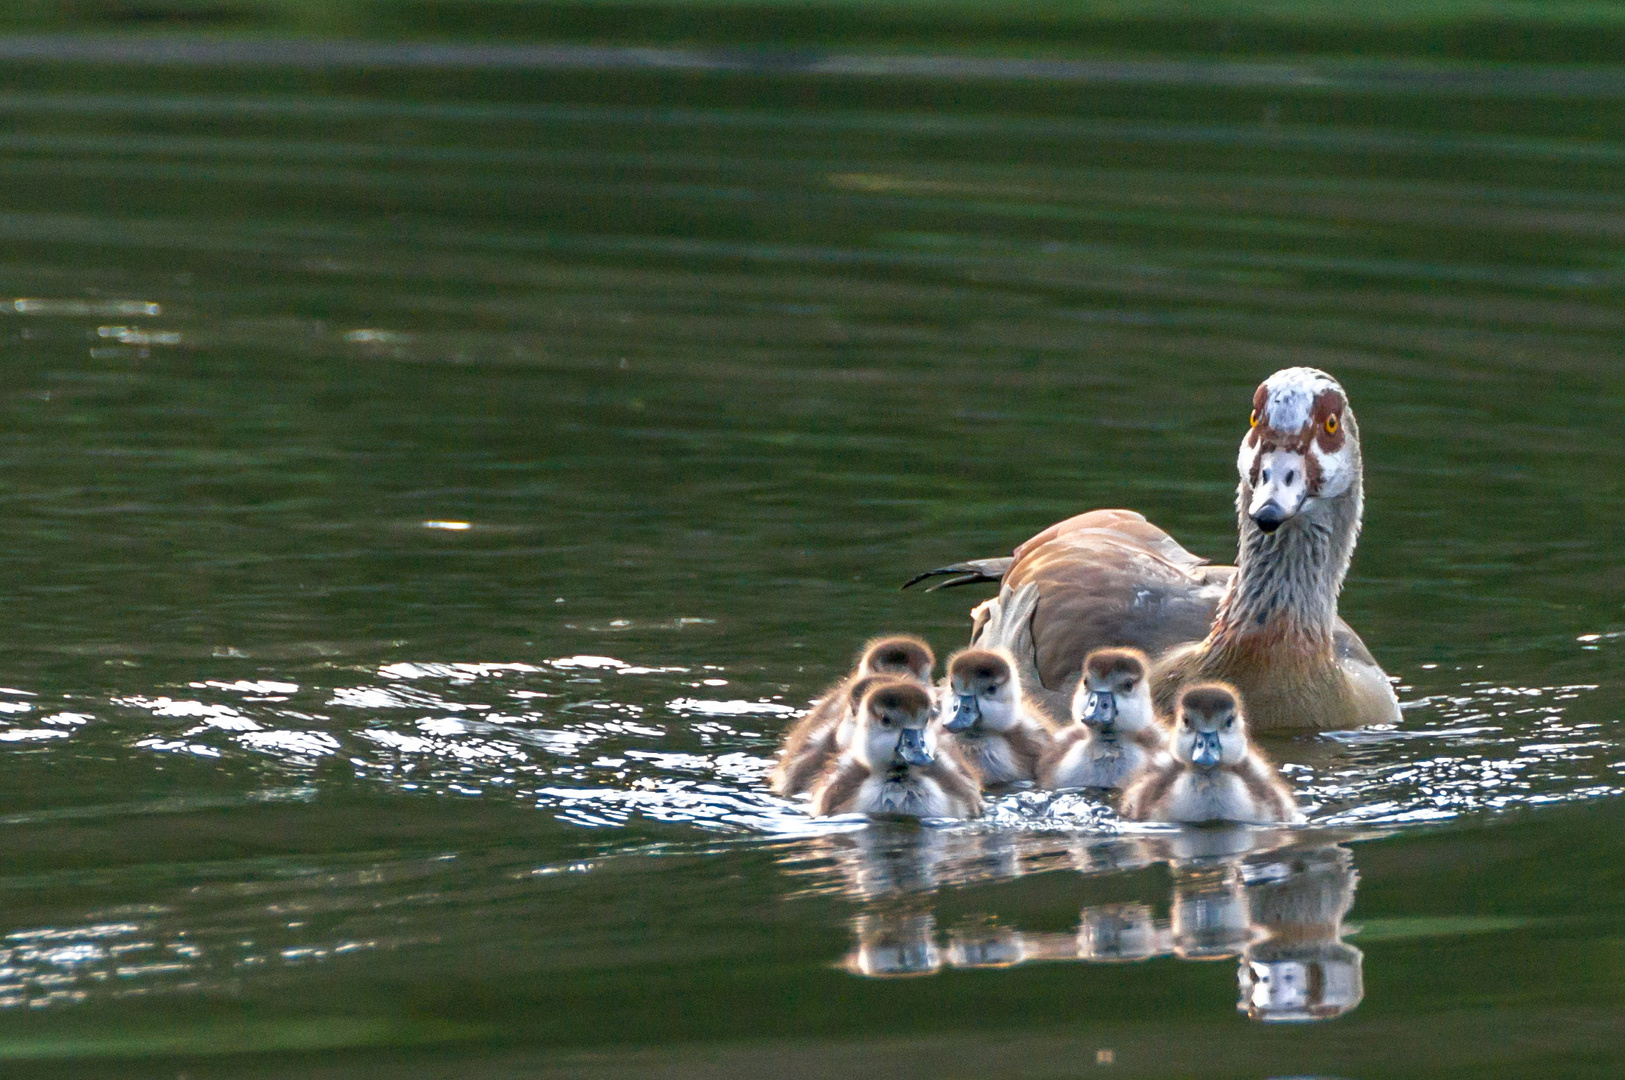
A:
[892,767]
[1214,773]
[817,738]
[987,718]
[1115,734]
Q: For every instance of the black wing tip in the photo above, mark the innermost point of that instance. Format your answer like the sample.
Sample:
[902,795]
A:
[964,573]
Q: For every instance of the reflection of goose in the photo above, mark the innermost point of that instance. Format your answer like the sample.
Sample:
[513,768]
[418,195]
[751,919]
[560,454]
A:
[990,720]
[1269,626]
[817,737]
[1112,933]
[1114,734]
[893,943]
[891,768]
[1300,968]
[1215,773]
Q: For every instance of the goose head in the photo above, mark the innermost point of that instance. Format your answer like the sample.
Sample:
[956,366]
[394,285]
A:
[897,654]
[1211,730]
[1302,452]
[1114,693]
[893,727]
[983,692]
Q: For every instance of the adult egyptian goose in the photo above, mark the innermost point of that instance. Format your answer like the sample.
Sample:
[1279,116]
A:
[1268,626]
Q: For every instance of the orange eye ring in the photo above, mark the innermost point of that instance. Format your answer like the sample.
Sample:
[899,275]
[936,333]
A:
[1252,420]
[1331,425]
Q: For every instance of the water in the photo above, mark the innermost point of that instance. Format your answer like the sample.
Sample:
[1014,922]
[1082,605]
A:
[430,491]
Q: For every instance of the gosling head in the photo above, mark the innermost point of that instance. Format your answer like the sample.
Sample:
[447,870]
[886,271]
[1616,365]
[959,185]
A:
[1303,449]
[1114,693]
[983,692]
[892,724]
[898,654]
[1211,730]
[854,700]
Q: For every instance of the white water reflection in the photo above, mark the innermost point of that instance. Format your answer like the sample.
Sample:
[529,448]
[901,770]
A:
[602,741]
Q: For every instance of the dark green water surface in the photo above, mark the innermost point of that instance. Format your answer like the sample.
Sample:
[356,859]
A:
[427,492]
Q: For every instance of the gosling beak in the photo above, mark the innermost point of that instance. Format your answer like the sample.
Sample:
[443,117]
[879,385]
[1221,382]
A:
[911,748]
[1099,710]
[1206,753]
[966,713]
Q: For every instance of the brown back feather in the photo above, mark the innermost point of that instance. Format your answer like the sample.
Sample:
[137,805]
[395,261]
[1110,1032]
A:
[840,783]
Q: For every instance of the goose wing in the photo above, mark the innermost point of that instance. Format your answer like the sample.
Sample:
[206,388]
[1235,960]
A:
[1111,578]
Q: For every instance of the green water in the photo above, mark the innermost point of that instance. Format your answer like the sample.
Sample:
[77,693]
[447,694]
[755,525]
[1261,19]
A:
[300,775]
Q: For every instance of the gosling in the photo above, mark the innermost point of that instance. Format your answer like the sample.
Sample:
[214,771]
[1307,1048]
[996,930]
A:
[1215,774]
[1115,735]
[990,721]
[891,768]
[823,733]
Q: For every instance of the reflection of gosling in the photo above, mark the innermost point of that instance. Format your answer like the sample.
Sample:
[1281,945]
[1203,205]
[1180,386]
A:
[1115,735]
[985,944]
[893,944]
[1115,933]
[891,768]
[1216,774]
[819,736]
[997,729]
[1208,913]
[1300,968]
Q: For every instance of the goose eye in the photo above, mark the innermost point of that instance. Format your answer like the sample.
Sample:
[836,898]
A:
[1128,686]
[885,721]
[1228,724]
[1331,425]
[1252,420]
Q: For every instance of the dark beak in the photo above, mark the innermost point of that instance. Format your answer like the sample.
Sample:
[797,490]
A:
[966,713]
[1099,709]
[1270,516]
[1207,752]
[911,748]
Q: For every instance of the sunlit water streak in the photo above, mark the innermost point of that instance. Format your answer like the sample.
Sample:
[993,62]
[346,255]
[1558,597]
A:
[598,741]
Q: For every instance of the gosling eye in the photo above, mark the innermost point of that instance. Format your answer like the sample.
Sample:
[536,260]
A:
[1128,686]
[885,721]
[1230,723]
[1266,476]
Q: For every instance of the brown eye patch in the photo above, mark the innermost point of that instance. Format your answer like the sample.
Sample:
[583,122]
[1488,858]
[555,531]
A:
[1330,421]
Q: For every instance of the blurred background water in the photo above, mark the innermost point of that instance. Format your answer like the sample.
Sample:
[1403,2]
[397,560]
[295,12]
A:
[440,458]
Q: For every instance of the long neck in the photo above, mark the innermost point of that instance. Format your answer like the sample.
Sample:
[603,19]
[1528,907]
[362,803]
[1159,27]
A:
[1287,582]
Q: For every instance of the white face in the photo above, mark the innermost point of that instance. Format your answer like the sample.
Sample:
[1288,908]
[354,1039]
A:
[1301,448]
[1129,708]
[891,738]
[995,701]
[1212,739]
